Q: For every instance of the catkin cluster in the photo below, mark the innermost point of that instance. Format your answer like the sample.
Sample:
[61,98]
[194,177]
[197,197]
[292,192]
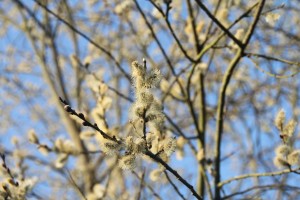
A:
[146,108]
[147,119]
[286,155]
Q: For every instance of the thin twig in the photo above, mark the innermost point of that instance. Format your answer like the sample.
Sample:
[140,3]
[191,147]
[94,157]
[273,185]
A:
[141,186]
[255,175]
[75,184]
[174,186]
[275,75]
[155,37]
[148,186]
[166,16]
[272,58]
[262,187]
[71,111]
[175,173]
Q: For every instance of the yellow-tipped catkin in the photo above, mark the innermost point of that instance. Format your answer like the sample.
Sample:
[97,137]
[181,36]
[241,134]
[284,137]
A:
[280,119]
[289,128]
[32,137]
[294,157]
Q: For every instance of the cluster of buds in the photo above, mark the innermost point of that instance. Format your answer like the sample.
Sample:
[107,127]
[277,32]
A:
[286,155]
[64,148]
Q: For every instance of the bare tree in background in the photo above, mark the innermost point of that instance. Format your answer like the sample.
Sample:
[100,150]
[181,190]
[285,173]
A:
[149,99]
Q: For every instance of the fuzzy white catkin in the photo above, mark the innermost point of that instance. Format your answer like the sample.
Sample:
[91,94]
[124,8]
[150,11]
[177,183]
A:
[61,160]
[181,141]
[280,119]
[109,147]
[103,88]
[200,155]
[153,79]
[222,16]
[283,150]
[155,174]
[129,143]
[164,85]
[137,70]
[69,147]
[280,162]
[127,162]
[99,190]
[59,144]
[87,134]
[145,97]
[272,18]
[169,146]
[106,103]
[290,128]
[139,145]
[294,157]
[239,34]
[43,149]
[32,137]
[179,154]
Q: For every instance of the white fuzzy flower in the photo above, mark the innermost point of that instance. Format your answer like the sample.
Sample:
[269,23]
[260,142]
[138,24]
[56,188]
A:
[169,146]
[294,157]
[155,174]
[280,119]
[272,18]
[110,147]
[61,160]
[289,128]
[280,162]
[127,162]
[32,137]
[44,149]
[283,150]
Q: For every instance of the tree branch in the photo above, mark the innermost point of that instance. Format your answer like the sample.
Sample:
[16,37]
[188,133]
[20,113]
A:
[222,95]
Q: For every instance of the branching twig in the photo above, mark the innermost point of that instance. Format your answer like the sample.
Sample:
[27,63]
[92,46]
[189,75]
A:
[103,49]
[155,37]
[204,8]
[166,16]
[275,75]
